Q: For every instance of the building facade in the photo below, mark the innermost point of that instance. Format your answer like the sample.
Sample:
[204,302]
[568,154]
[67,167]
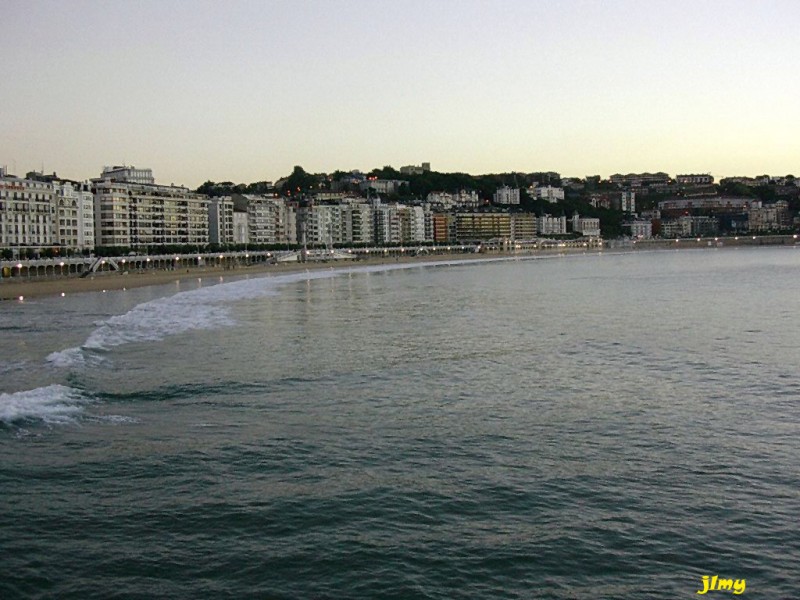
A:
[482,226]
[506,195]
[75,215]
[549,193]
[220,220]
[548,225]
[132,214]
[28,214]
[586,226]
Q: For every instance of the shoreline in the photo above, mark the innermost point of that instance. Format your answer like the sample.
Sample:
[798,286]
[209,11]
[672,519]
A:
[11,291]
[16,290]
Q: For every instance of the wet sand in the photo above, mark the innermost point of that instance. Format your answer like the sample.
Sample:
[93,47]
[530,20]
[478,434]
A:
[13,289]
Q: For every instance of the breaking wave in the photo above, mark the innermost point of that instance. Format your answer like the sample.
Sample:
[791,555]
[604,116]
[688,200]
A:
[53,404]
[204,308]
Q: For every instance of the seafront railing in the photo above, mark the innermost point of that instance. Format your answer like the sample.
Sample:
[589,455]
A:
[83,266]
[52,268]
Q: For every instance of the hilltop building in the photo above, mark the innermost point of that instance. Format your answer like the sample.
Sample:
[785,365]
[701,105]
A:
[549,193]
[506,195]
[414,170]
[695,179]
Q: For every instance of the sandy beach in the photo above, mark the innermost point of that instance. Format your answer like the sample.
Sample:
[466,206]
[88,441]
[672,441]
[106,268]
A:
[14,289]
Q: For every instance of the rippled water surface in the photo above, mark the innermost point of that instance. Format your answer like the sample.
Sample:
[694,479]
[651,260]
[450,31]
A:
[585,426]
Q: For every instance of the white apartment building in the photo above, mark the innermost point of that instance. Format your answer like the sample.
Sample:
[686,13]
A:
[399,224]
[412,224]
[270,220]
[27,212]
[641,230]
[506,195]
[769,217]
[547,225]
[75,215]
[705,179]
[128,174]
[358,223]
[627,201]
[586,226]
[549,193]
[467,199]
[323,224]
[138,214]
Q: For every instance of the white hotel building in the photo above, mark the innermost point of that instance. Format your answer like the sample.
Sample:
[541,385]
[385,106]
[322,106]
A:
[44,212]
[75,212]
[27,212]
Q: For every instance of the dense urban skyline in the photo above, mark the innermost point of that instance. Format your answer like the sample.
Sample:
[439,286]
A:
[245,91]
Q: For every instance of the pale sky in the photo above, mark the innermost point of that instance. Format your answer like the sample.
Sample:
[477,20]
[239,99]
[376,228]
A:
[245,90]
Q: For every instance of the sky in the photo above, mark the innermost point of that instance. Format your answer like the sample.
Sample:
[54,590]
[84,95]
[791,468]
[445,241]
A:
[244,90]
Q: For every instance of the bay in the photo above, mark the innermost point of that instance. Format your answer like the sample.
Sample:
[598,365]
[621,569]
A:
[578,426]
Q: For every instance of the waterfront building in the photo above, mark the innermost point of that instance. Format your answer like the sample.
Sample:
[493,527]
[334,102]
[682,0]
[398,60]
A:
[75,215]
[769,217]
[133,214]
[27,212]
[690,226]
[586,226]
[506,195]
[387,224]
[128,174]
[241,231]
[479,226]
[399,224]
[676,228]
[548,225]
[220,220]
[412,223]
[640,229]
[358,223]
[270,219]
[444,227]
[704,226]
[523,226]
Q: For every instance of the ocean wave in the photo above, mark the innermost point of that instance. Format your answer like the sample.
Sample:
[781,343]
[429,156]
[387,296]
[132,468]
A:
[53,404]
[152,321]
[204,308]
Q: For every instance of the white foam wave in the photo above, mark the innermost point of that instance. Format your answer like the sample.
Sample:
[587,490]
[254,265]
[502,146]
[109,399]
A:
[71,357]
[116,419]
[204,308]
[53,404]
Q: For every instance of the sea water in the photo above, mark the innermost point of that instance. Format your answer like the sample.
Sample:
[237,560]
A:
[581,426]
